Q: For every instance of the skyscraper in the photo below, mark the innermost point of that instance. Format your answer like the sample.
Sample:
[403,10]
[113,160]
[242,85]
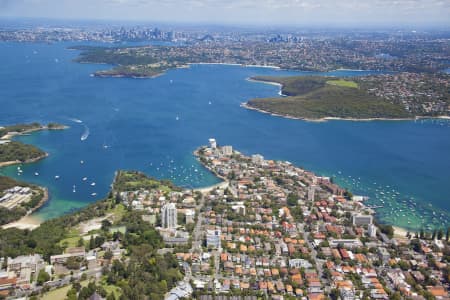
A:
[169,215]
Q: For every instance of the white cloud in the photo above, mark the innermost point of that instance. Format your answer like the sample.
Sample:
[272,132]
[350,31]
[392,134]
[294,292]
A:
[239,11]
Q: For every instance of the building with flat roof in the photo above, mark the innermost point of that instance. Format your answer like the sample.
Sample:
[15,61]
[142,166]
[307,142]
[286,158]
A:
[359,220]
[169,215]
[227,150]
[213,238]
[212,143]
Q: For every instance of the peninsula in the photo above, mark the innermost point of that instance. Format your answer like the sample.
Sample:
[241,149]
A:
[271,230]
[364,98]
[14,152]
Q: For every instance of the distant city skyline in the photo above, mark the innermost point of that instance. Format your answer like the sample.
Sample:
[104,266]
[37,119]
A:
[351,13]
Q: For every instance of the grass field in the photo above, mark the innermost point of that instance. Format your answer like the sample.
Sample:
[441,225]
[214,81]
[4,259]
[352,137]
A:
[72,239]
[118,211]
[343,83]
[60,294]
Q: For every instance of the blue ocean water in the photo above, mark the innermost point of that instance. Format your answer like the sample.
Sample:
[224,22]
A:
[154,125]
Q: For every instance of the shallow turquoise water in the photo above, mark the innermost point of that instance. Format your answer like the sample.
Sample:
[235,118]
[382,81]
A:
[153,125]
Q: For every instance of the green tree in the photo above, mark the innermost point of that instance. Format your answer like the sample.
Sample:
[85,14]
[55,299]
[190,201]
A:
[42,277]
[73,263]
[91,243]
[422,234]
[108,255]
[292,200]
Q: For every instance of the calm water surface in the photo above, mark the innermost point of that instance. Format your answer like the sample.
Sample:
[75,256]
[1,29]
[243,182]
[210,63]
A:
[154,125]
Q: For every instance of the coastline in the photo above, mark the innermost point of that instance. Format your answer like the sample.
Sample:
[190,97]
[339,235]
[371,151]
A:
[100,75]
[238,65]
[29,161]
[29,221]
[10,135]
[325,119]
[399,232]
[280,92]
[206,189]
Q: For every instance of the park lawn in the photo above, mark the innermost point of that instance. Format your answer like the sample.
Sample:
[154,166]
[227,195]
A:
[343,83]
[118,211]
[61,293]
[72,238]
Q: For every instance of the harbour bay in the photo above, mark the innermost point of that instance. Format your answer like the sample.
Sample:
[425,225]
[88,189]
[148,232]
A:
[153,125]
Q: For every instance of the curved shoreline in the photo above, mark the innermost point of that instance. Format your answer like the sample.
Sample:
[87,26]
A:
[8,137]
[325,119]
[28,161]
[99,74]
[29,221]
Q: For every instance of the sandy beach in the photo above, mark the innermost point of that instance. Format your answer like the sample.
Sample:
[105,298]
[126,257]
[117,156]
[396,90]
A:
[9,163]
[212,187]
[28,222]
[399,232]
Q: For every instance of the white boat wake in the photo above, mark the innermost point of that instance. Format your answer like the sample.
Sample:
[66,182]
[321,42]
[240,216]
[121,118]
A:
[85,134]
[75,120]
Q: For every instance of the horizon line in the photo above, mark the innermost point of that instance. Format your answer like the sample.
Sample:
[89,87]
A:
[253,25]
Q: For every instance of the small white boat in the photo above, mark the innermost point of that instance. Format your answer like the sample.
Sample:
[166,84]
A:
[36,174]
[84,178]
[94,194]
[93,184]
[81,161]
[73,189]
[57,177]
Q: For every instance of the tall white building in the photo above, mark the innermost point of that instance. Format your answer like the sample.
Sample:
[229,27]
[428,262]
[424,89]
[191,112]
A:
[212,143]
[311,193]
[213,238]
[372,230]
[169,215]
[257,159]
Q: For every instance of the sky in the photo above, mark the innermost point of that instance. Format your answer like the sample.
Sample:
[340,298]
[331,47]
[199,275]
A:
[357,13]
